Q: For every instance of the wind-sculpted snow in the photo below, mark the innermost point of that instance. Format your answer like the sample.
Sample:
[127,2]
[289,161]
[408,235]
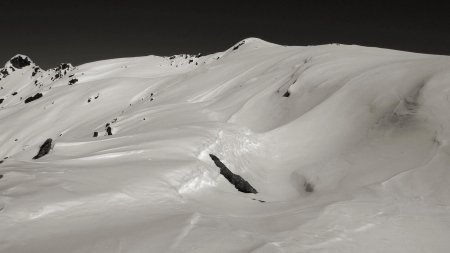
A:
[347,146]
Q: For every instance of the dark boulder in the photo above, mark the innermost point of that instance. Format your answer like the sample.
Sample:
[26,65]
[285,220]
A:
[238,45]
[64,66]
[4,72]
[239,183]
[32,98]
[35,71]
[44,149]
[308,187]
[73,81]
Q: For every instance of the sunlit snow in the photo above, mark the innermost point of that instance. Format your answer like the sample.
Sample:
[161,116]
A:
[347,147]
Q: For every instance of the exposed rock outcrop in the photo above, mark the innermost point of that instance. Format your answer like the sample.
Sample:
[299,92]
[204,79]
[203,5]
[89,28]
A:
[239,183]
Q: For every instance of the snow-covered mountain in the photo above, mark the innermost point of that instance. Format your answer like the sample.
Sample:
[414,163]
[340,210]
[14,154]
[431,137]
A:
[260,148]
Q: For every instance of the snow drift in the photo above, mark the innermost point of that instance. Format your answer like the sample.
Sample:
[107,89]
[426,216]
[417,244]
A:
[345,148]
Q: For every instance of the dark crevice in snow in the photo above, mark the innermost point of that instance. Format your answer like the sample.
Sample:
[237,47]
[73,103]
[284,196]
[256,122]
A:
[32,98]
[1,100]
[308,187]
[437,141]
[14,93]
[262,201]
[286,94]
[239,183]
[44,149]
[307,60]
[95,134]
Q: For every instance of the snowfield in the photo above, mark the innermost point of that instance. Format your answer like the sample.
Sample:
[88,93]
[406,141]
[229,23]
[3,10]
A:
[260,148]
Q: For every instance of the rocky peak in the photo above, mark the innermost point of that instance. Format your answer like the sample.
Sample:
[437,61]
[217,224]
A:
[17,62]
[61,70]
[20,61]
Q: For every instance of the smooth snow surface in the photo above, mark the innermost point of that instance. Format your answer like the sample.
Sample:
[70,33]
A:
[347,147]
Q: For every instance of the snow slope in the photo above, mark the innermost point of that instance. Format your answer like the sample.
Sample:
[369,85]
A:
[347,147]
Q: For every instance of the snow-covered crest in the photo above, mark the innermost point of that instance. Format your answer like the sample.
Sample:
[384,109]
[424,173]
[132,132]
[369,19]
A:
[261,148]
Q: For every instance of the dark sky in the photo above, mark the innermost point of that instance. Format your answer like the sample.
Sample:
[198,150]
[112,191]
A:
[78,31]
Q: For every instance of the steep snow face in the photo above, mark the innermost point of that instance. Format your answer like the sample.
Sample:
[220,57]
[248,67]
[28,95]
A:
[260,148]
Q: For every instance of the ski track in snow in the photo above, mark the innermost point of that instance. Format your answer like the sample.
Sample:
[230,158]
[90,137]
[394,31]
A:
[347,146]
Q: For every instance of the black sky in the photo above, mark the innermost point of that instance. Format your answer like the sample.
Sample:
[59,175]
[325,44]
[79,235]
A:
[51,32]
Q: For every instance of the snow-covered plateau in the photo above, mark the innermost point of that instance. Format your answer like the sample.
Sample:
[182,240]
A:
[260,148]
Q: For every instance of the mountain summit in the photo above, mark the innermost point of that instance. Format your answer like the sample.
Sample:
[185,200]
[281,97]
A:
[20,61]
[17,62]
